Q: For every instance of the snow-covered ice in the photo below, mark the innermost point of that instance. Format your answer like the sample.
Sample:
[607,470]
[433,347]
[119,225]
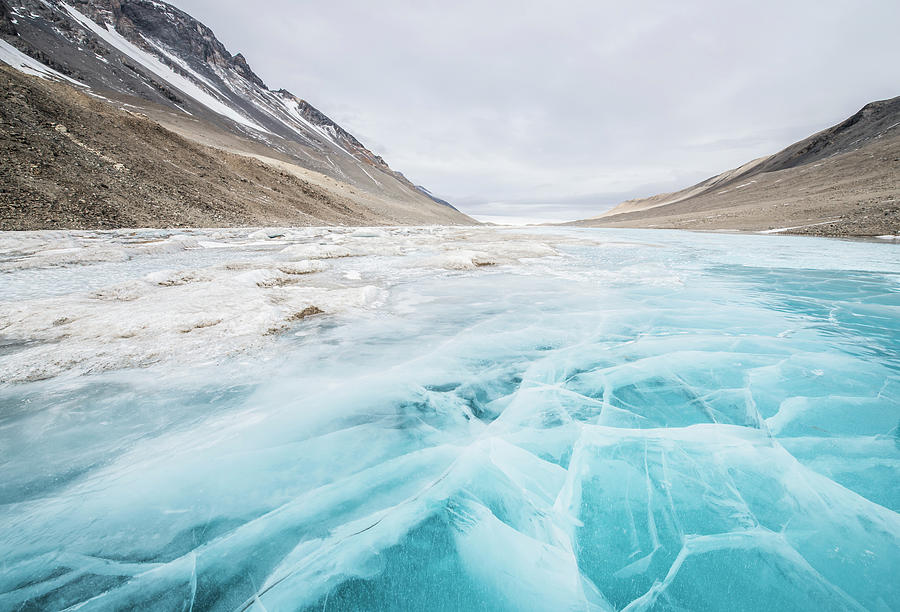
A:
[448,419]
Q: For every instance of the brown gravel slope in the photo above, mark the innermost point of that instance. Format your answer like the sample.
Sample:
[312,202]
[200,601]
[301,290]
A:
[72,161]
[844,181]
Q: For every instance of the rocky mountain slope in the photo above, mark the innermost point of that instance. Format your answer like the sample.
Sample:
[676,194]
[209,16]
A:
[147,58]
[844,180]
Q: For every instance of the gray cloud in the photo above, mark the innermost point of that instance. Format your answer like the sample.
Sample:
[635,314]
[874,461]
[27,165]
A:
[561,109]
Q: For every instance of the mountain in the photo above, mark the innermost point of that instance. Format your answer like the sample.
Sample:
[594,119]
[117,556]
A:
[147,59]
[844,180]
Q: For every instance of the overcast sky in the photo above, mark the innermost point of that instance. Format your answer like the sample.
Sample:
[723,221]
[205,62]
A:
[560,109]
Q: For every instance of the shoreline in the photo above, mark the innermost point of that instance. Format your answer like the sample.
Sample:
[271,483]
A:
[883,238]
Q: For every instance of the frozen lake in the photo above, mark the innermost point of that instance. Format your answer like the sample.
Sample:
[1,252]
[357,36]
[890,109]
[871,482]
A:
[448,419]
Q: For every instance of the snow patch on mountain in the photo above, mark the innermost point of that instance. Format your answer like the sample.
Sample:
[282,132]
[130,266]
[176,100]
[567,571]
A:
[151,63]
[29,65]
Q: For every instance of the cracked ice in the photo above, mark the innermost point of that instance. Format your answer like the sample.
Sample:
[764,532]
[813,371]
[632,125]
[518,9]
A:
[448,419]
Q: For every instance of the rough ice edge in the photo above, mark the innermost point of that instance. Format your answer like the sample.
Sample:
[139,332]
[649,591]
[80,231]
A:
[189,314]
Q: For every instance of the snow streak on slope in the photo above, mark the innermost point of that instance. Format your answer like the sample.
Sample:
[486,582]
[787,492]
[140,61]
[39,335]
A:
[111,36]
[29,65]
[293,108]
[480,419]
[181,64]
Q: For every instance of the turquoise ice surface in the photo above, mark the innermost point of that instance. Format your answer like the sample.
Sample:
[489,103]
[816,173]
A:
[658,421]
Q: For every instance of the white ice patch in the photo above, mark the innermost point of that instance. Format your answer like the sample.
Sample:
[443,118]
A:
[204,294]
[169,314]
[489,254]
[462,259]
[780,230]
[63,257]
